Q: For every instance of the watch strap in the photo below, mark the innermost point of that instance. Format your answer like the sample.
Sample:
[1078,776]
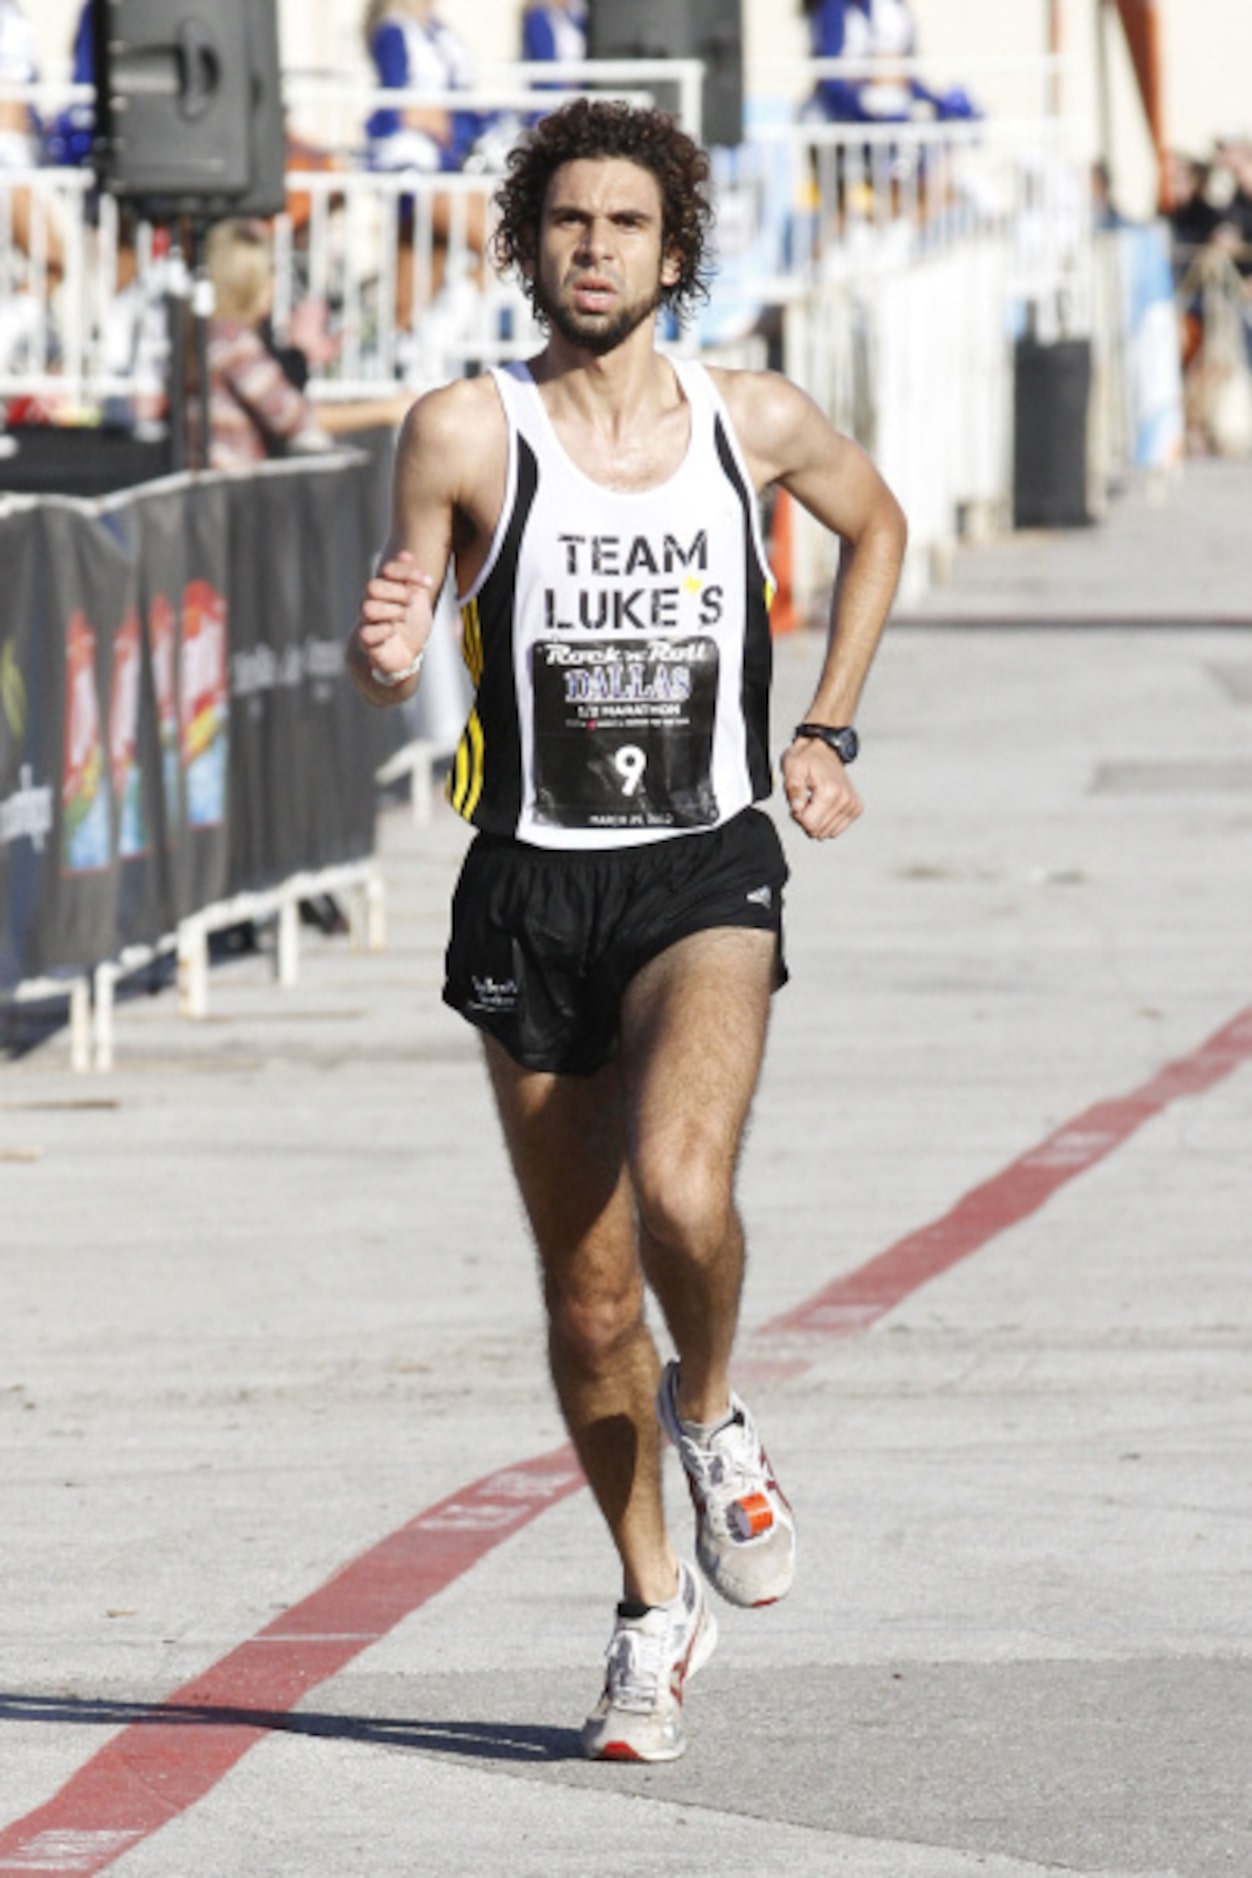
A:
[841,738]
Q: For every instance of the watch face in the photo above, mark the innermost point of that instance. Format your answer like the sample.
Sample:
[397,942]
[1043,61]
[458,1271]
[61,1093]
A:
[841,738]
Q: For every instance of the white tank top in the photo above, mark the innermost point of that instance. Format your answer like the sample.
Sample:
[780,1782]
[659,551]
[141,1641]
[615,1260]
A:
[618,641]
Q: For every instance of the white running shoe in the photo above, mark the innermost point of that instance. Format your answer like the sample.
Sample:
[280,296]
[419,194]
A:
[745,1529]
[653,1650]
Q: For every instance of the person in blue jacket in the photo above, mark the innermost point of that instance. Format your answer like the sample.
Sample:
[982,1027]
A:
[882,31]
[554,31]
[70,135]
[881,34]
[413,50]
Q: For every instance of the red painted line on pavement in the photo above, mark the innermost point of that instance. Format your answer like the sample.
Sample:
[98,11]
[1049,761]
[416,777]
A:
[154,1770]
[851,1303]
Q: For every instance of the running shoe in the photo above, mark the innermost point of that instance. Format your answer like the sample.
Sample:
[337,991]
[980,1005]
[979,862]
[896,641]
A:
[745,1530]
[653,1650]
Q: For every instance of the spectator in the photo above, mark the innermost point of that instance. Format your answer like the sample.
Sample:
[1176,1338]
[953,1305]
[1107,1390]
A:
[33,233]
[254,409]
[70,137]
[1235,156]
[1105,214]
[18,124]
[881,35]
[1235,231]
[1193,219]
[882,31]
[413,50]
[554,31]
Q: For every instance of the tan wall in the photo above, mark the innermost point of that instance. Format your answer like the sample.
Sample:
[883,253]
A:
[1207,90]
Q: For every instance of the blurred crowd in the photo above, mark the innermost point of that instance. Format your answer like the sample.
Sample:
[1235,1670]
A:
[414,50]
[1210,218]
[258,402]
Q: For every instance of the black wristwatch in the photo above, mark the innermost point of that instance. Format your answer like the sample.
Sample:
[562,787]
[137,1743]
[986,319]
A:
[842,739]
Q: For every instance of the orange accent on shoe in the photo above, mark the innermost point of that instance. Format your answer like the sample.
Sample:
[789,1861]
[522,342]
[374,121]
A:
[752,1515]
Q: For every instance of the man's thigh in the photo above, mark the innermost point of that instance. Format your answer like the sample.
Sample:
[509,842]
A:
[694,1021]
[566,1141]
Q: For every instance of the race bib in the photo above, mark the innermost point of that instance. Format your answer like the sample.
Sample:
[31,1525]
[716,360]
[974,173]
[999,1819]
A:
[624,733]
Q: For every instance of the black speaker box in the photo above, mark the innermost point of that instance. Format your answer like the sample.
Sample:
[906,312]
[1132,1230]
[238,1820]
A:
[189,105]
[1051,397]
[711,30]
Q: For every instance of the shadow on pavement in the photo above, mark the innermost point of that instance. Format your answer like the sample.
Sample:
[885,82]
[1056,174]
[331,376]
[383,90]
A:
[474,1740]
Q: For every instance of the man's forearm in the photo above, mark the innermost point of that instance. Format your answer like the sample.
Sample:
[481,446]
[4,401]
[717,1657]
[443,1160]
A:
[869,573]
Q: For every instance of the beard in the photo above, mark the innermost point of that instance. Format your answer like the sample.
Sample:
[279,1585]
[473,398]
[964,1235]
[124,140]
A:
[596,333]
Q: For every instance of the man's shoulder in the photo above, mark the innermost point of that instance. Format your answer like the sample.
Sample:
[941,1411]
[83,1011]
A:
[455,440]
[760,403]
[466,414]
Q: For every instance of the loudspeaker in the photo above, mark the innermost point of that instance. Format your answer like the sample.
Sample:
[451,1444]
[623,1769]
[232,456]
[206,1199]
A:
[1051,398]
[189,106]
[267,140]
[711,30]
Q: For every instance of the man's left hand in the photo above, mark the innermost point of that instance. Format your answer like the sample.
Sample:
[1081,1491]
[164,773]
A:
[819,794]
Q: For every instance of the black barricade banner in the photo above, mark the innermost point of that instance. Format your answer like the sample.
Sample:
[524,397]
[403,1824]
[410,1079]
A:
[139,842]
[175,720]
[267,678]
[340,729]
[90,584]
[181,532]
[305,746]
[202,849]
[30,752]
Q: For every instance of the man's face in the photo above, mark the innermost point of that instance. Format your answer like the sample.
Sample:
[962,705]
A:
[599,270]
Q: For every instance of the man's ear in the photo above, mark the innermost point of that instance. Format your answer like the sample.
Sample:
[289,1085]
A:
[671,269]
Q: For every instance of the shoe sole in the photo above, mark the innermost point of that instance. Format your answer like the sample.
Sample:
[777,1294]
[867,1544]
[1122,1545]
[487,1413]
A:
[622,1751]
[741,1603]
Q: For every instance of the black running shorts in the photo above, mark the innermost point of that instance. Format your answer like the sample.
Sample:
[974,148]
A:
[545,940]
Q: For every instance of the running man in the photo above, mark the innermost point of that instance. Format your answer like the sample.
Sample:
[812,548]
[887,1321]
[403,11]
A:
[616,931]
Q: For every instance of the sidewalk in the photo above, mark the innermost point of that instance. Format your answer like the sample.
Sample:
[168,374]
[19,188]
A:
[267,1312]
[1168,556]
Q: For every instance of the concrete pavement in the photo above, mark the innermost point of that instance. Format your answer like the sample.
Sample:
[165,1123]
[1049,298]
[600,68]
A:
[266,1302]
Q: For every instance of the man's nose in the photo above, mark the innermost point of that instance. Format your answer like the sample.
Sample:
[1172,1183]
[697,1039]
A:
[595,237]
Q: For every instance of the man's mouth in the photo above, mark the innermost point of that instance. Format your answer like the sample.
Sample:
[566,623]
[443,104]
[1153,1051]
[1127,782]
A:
[593,295]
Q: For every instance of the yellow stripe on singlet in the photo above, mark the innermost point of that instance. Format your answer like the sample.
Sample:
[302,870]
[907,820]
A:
[466,782]
[459,776]
[472,640]
[474,734]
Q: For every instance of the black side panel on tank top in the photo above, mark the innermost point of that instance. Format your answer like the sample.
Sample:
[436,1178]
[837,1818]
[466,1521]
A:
[758,649]
[500,803]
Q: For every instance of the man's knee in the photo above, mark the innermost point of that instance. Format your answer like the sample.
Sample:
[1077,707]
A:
[685,1202]
[593,1322]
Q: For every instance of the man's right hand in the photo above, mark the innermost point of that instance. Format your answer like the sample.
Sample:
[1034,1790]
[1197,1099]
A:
[396,618]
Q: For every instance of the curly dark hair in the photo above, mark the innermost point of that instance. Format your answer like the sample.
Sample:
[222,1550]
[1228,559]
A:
[591,128]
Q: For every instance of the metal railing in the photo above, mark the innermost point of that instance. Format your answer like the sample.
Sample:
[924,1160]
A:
[897,259]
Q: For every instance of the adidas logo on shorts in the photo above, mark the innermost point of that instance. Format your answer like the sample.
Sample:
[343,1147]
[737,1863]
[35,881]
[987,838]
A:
[761,896]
